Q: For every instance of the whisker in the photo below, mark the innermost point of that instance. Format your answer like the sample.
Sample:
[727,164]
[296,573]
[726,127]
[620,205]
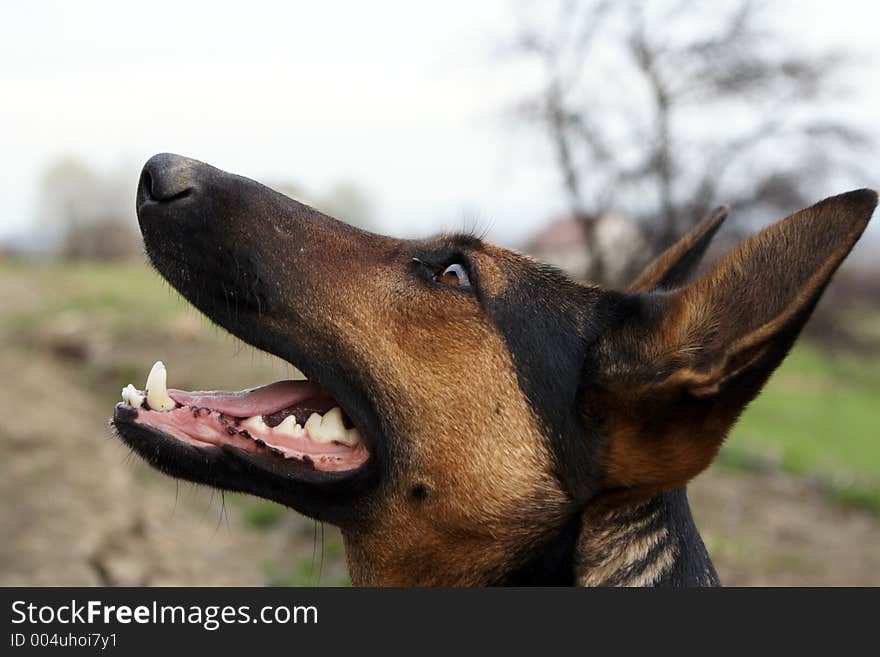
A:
[321,563]
[314,545]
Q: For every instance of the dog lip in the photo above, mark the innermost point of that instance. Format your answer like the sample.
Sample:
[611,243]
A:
[261,454]
[124,413]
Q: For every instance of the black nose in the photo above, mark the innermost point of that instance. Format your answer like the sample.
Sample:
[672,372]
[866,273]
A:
[166,177]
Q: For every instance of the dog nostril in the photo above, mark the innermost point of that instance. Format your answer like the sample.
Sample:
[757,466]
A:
[146,184]
[167,177]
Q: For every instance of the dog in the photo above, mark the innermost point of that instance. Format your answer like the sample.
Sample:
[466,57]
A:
[471,416]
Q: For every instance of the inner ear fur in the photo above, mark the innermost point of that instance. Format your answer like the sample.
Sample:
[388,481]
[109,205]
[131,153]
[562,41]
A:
[680,367]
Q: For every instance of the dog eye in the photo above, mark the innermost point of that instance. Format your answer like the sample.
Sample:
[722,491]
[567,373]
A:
[454,275]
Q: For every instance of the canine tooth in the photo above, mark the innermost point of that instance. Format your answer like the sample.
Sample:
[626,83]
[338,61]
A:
[157,390]
[290,427]
[254,424]
[132,396]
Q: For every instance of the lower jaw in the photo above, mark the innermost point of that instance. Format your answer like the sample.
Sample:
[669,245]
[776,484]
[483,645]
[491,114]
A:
[202,427]
[336,497]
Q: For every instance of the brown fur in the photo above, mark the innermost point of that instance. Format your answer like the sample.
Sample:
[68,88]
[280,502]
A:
[481,470]
[618,538]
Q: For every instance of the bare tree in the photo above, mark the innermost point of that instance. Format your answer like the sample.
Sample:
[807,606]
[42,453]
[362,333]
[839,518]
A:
[666,109]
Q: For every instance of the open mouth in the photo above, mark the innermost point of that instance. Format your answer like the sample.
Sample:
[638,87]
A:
[295,424]
[248,257]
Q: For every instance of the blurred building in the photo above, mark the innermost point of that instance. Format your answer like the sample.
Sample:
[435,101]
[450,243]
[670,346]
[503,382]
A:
[609,248]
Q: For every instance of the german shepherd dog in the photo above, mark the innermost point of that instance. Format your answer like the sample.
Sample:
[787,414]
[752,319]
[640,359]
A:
[471,417]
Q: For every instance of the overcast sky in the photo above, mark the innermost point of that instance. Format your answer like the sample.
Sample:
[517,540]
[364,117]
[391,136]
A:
[403,98]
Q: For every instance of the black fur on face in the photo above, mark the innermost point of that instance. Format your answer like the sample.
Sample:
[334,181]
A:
[549,324]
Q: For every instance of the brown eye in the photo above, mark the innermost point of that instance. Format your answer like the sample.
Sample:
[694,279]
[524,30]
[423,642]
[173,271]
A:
[454,275]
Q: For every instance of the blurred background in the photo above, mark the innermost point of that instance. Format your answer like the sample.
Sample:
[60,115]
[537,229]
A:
[590,134]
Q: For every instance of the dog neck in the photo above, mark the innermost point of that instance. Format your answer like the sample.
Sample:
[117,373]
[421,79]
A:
[651,542]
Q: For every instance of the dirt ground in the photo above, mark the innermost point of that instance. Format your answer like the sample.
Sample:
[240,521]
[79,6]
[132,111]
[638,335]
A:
[774,529]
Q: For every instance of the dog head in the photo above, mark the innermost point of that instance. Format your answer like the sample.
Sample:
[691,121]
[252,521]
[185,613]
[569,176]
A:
[493,398]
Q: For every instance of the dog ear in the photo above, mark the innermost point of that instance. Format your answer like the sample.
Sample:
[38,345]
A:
[680,366]
[675,265]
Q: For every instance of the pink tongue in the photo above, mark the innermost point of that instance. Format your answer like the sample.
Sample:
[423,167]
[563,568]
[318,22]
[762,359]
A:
[256,401]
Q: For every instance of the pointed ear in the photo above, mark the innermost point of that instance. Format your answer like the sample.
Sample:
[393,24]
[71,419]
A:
[675,265]
[682,365]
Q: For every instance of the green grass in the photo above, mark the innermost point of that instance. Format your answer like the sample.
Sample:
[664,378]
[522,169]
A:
[264,515]
[819,415]
[309,571]
[126,295]
[865,496]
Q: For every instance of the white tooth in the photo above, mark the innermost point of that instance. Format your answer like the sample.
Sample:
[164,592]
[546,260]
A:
[132,396]
[332,423]
[351,437]
[156,388]
[254,425]
[330,429]
[313,427]
[289,427]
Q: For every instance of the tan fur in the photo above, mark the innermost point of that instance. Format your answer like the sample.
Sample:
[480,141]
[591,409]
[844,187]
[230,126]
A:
[442,371]
[647,455]
[472,444]
[611,543]
[494,279]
